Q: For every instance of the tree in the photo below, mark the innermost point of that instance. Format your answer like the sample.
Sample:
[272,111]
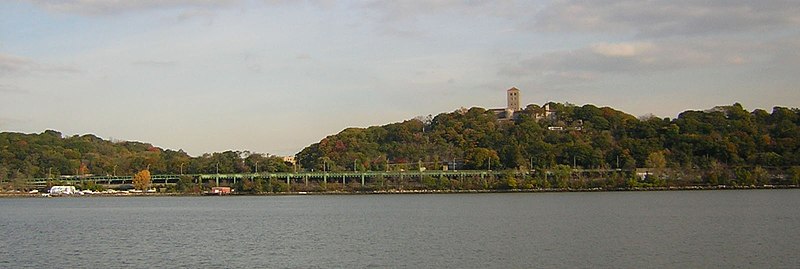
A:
[657,162]
[743,176]
[482,158]
[760,175]
[563,174]
[795,175]
[141,181]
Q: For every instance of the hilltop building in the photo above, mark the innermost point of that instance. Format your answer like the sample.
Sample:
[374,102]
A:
[512,97]
[289,159]
[513,108]
[547,113]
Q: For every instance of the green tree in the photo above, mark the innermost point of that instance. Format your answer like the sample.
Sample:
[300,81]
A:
[744,176]
[658,162]
[186,185]
[563,174]
[482,158]
[795,175]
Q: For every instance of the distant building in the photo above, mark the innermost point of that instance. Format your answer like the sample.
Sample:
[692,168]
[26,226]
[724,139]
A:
[220,190]
[512,98]
[549,113]
[289,159]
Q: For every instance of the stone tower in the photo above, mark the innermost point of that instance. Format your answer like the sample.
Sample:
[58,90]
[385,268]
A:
[513,99]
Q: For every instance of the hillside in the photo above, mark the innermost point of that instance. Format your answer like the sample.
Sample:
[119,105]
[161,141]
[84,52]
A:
[584,136]
[52,154]
[723,142]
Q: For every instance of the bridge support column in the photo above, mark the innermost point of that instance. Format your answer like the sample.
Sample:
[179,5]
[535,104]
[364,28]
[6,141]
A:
[362,180]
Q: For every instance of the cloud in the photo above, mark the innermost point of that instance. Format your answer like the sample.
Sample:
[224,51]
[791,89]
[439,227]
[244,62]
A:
[644,19]
[107,7]
[622,49]
[662,18]
[409,10]
[596,60]
[400,18]
[155,63]
[11,64]
[4,88]
[204,15]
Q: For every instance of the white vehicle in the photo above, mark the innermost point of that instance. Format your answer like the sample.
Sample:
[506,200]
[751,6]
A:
[63,190]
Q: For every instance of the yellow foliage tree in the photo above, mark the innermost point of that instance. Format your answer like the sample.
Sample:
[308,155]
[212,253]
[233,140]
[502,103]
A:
[141,181]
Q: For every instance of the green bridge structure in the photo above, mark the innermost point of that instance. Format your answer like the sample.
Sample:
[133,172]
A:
[294,177]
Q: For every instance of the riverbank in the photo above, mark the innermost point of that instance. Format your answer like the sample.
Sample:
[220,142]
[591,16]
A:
[394,191]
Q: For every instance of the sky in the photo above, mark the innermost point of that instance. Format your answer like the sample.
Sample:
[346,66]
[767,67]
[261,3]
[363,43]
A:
[274,76]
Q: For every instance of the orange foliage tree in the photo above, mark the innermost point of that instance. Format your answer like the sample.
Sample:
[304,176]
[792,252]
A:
[141,181]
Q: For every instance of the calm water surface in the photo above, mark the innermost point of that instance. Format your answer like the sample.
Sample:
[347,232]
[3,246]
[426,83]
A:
[690,229]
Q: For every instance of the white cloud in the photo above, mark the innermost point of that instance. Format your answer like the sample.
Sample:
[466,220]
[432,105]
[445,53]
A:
[593,61]
[622,49]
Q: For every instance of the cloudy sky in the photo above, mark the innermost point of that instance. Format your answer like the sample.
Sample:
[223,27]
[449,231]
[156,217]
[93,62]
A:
[275,76]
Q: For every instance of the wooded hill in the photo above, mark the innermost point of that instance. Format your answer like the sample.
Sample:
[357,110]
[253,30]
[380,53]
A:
[578,136]
[721,140]
[50,154]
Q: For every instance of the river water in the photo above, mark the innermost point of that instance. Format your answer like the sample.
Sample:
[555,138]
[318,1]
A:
[675,229]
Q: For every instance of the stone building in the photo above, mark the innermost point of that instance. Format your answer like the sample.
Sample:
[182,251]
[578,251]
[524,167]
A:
[512,97]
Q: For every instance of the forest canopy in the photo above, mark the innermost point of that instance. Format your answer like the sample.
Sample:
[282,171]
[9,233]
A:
[577,136]
[580,136]
[50,154]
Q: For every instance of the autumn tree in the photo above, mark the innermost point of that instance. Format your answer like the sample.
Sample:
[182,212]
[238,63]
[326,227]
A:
[141,181]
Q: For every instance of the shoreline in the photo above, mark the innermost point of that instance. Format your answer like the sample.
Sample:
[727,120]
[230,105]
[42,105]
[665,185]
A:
[395,192]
